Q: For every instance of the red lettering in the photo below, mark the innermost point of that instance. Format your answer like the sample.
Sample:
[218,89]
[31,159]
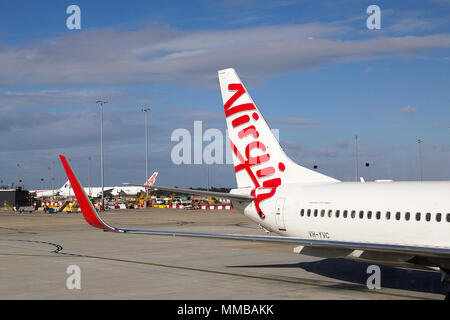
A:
[260,197]
[272,183]
[265,172]
[258,159]
[240,91]
[239,108]
[249,130]
[240,120]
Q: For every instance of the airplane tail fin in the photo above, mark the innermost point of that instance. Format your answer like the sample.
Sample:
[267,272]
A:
[65,185]
[258,158]
[152,179]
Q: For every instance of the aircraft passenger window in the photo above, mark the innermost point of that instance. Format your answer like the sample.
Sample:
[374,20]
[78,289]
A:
[397,216]
[308,213]
[428,216]
[315,212]
[418,216]
[353,214]
[337,213]
[448,217]
[330,212]
[388,215]
[407,215]
[369,214]
[378,215]
[302,212]
[361,214]
[322,213]
[344,214]
[438,217]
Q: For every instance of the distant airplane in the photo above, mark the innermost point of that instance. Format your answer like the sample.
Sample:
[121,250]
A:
[134,190]
[400,224]
[51,192]
[92,191]
[115,191]
[66,190]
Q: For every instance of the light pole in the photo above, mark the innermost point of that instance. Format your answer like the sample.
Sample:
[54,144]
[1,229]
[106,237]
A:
[101,103]
[207,174]
[70,184]
[48,181]
[356,158]
[146,109]
[53,179]
[57,174]
[419,142]
[89,175]
[18,168]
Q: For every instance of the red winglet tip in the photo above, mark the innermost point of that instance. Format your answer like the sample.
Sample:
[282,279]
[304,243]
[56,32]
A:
[83,201]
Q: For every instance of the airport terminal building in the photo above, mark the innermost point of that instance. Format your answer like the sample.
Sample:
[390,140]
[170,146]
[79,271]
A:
[14,197]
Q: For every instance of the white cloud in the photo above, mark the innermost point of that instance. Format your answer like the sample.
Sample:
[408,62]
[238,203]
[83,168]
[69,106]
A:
[163,54]
[407,110]
[51,98]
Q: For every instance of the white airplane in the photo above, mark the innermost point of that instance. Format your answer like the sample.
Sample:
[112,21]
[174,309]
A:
[52,193]
[401,224]
[66,189]
[134,190]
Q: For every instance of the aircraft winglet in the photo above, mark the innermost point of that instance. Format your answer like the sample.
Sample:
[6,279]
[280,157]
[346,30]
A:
[88,210]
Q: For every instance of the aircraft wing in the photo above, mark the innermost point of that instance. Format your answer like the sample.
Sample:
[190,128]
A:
[97,192]
[224,195]
[107,191]
[92,217]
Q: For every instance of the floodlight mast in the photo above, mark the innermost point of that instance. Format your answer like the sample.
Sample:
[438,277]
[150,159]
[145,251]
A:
[101,103]
[146,109]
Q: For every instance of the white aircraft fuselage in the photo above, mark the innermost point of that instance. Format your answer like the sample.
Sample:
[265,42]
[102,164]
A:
[400,213]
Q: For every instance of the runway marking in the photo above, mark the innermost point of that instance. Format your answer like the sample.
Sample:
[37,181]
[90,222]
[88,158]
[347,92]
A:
[257,277]
[234,246]
[59,254]
[16,230]
[259,246]
[57,250]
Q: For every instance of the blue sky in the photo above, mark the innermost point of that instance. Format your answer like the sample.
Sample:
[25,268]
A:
[313,68]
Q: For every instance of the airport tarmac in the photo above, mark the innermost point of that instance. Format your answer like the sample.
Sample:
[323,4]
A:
[36,250]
